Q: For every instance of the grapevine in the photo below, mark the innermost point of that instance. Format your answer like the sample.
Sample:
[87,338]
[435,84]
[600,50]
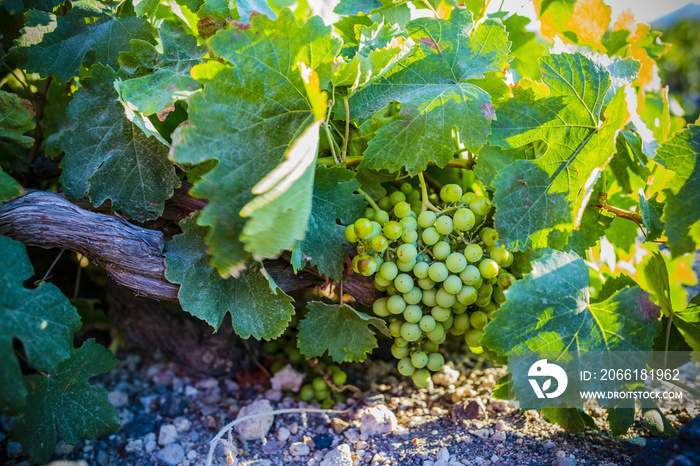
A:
[393,176]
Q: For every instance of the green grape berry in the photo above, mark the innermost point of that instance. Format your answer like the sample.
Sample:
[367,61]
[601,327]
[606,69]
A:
[473,253]
[414,296]
[461,323]
[379,307]
[438,272]
[430,236]
[339,378]
[420,270]
[413,313]
[395,328]
[419,359]
[392,230]
[411,331]
[444,225]
[488,268]
[406,188]
[406,266]
[350,234]
[489,236]
[363,228]
[427,219]
[470,276]
[505,280]
[452,284]
[399,352]
[435,362]
[385,203]
[427,323]
[500,255]
[379,243]
[455,262]
[408,223]
[388,271]
[318,384]
[467,295]
[306,393]
[464,220]
[428,297]
[441,250]
[440,314]
[406,252]
[405,367]
[395,304]
[366,265]
[451,193]
[381,217]
[402,209]
[403,283]
[426,284]
[396,197]
[478,319]
[498,296]
[421,378]
[473,337]
[480,205]
[409,236]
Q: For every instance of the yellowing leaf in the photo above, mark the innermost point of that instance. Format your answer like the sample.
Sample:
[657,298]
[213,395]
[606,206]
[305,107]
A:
[589,21]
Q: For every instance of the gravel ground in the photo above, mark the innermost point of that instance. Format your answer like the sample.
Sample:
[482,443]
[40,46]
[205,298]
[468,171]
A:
[169,417]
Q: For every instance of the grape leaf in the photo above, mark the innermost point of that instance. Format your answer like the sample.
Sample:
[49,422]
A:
[353,7]
[549,310]
[340,330]
[535,197]
[63,400]
[620,420]
[492,160]
[681,153]
[56,45]
[688,323]
[524,47]
[15,120]
[146,7]
[257,307]
[217,9]
[433,93]
[9,188]
[380,49]
[572,420]
[593,226]
[42,319]
[261,98]
[655,420]
[108,157]
[170,80]
[652,211]
[333,200]
[246,7]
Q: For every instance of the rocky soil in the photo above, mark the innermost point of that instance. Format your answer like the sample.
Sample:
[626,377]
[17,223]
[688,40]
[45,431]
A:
[169,417]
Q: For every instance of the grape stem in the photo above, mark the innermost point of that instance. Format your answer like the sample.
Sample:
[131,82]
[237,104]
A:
[369,200]
[426,204]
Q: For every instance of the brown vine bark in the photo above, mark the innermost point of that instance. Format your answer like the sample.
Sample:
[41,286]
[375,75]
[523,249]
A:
[131,255]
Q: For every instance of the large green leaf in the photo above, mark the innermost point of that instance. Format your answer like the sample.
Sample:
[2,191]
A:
[688,323]
[64,401]
[620,420]
[340,330]
[9,188]
[549,310]
[572,420]
[16,119]
[57,45]
[109,157]
[251,113]
[434,94]
[525,47]
[651,210]
[681,153]
[246,7]
[171,79]
[353,7]
[42,319]
[257,307]
[592,228]
[536,197]
[333,201]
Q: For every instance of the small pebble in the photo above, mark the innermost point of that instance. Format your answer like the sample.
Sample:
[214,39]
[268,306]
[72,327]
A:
[118,398]
[171,455]
[182,424]
[134,446]
[167,434]
[191,455]
[498,436]
[299,449]
[323,441]
[283,434]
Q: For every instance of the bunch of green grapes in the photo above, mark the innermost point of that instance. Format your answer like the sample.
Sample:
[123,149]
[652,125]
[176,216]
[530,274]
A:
[441,270]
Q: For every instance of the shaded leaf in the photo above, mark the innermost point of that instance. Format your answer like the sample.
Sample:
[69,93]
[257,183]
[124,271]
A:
[433,93]
[257,307]
[652,211]
[549,310]
[261,98]
[340,330]
[64,401]
[333,201]
[16,119]
[592,228]
[109,157]
[681,153]
[536,197]
[246,7]
[572,420]
[620,420]
[56,45]
[9,188]
[688,323]
[170,80]
[353,7]
[42,319]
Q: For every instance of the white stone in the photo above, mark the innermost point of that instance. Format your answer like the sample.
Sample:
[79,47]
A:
[149,442]
[134,446]
[377,420]
[191,455]
[339,456]
[273,395]
[299,449]
[483,434]
[257,427]
[352,435]
[447,376]
[287,379]
[167,434]
[182,424]
[443,455]
[283,434]
[118,398]
[428,463]
[499,436]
